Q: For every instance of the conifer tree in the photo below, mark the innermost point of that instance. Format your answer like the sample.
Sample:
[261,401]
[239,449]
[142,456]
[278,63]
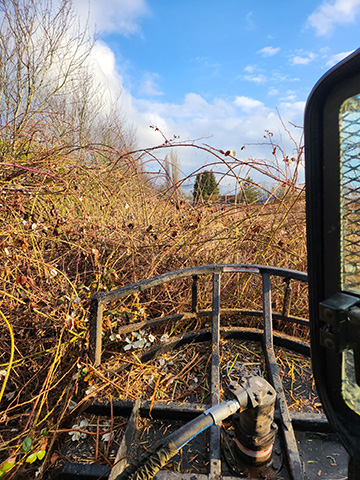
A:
[205,187]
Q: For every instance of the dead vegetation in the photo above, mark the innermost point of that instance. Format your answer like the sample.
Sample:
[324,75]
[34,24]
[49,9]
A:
[97,229]
[81,212]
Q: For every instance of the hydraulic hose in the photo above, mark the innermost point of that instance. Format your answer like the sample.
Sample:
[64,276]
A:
[156,458]
[213,416]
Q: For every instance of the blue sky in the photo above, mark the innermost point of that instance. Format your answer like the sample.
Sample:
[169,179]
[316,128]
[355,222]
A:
[220,70]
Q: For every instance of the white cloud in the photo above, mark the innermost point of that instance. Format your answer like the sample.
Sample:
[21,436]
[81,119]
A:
[268,51]
[193,107]
[223,123]
[290,96]
[259,79]
[149,86]
[273,91]
[247,103]
[120,16]
[250,24]
[250,68]
[292,112]
[330,14]
[337,58]
[273,78]
[105,60]
[277,77]
[228,123]
[103,66]
[304,59]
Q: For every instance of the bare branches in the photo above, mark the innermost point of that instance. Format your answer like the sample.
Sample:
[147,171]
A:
[41,53]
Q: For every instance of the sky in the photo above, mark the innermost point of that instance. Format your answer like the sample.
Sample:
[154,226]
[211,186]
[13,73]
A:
[222,71]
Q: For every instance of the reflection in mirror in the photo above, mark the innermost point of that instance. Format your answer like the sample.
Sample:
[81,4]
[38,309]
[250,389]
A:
[349,125]
[350,389]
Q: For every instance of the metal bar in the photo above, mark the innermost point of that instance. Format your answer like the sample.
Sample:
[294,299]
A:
[194,294]
[307,422]
[295,466]
[124,453]
[100,299]
[96,328]
[256,335]
[138,287]
[244,333]
[167,475]
[132,327]
[215,337]
[312,422]
[159,410]
[215,461]
[241,333]
[81,471]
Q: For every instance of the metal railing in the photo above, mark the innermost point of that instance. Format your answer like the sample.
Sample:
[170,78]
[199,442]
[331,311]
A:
[99,300]
[266,336]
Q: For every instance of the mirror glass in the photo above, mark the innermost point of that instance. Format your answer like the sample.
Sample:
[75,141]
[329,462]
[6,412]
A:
[349,388]
[349,124]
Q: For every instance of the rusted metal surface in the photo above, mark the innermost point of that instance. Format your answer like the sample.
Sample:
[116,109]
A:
[124,452]
[101,299]
[186,411]
[241,312]
[265,336]
[215,460]
[295,466]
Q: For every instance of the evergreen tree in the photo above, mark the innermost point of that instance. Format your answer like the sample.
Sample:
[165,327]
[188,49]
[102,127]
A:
[205,187]
[249,192]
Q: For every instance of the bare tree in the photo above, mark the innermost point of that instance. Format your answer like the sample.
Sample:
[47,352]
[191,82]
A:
[42,52]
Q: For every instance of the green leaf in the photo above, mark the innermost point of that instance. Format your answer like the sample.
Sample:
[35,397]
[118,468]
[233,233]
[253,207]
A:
[26,444]
[31,458]
[6,466]
[41,454]
[44,432]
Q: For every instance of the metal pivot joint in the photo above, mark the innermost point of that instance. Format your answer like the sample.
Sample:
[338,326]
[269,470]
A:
[254,427]
[336,331]
[340,315]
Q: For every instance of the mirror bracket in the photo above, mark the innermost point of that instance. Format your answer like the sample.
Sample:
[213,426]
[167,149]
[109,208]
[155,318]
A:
[340,318]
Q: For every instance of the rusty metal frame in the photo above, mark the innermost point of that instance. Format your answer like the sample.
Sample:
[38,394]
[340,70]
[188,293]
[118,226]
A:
[266,336]
[100,299]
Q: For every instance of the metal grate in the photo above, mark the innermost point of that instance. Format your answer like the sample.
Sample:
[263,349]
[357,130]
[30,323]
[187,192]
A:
[349,122]
[266,337]
[294,451]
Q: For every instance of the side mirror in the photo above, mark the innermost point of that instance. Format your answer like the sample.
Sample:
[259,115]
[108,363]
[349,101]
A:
[332,159]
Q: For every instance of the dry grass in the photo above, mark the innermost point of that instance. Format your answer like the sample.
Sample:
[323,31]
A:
[80,230]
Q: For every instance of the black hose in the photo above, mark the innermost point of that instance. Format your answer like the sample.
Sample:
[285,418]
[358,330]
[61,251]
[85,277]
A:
[157,457]
[149,464]
[190,430]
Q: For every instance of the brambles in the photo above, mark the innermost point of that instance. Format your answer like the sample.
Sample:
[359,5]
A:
[81,213]
[60,244]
